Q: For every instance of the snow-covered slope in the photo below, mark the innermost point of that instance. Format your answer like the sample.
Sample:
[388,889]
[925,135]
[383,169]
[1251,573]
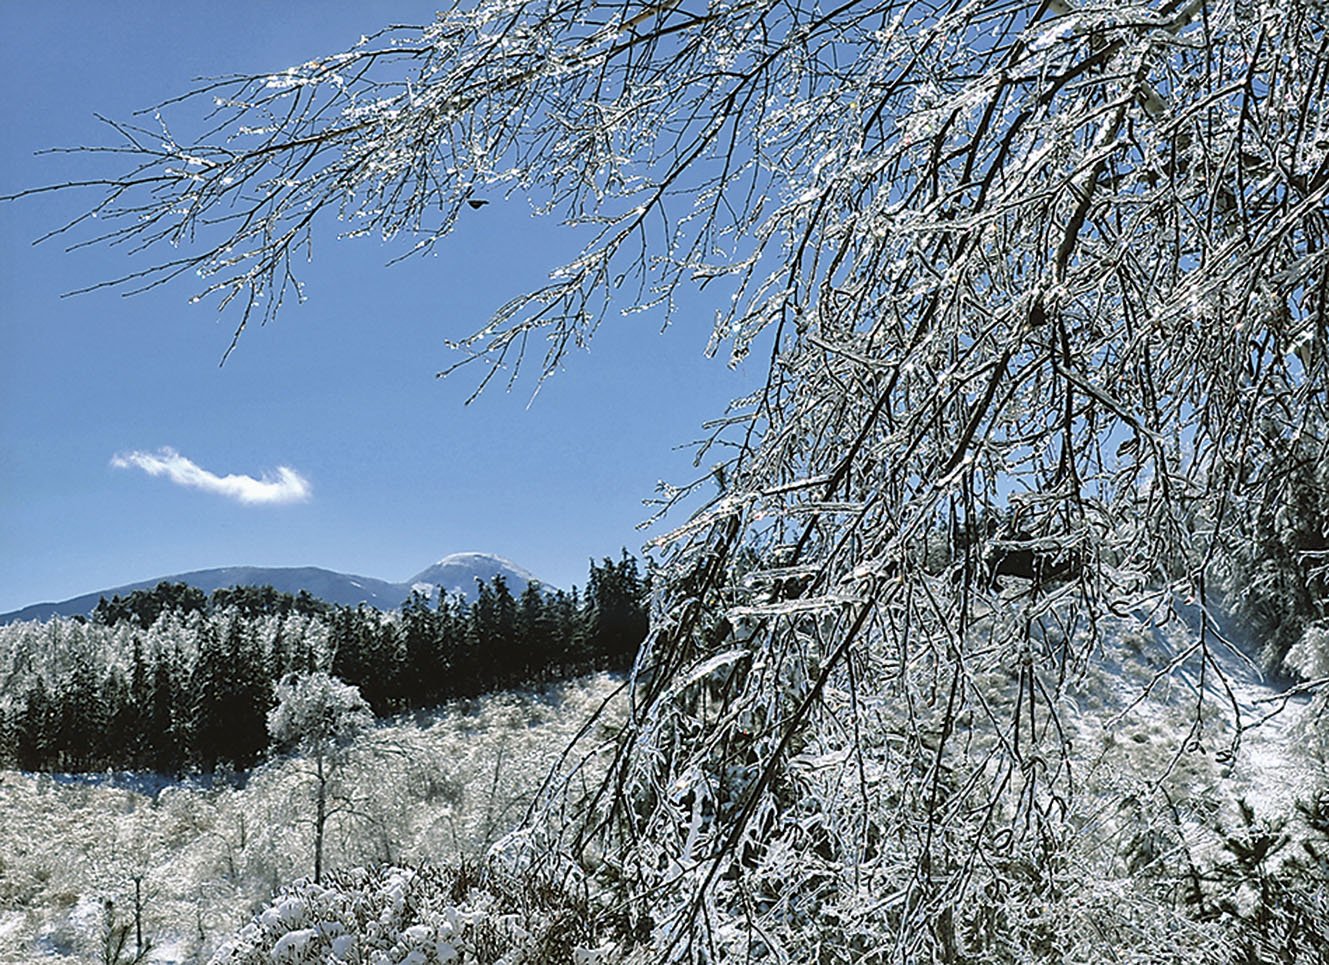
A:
[455,574]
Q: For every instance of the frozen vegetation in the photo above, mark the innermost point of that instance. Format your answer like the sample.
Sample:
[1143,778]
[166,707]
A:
[420,870]
[437,787]
[1200,819]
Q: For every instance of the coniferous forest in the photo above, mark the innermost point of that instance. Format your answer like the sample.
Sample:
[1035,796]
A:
[173,680]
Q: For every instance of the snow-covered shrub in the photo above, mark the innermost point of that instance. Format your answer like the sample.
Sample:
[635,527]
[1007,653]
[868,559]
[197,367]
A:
[1266,883]
[413,916]
[1309,656]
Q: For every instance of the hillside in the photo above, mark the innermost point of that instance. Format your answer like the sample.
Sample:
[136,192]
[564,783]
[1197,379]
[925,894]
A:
[456,573]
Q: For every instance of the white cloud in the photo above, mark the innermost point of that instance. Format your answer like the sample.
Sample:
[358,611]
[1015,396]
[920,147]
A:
[285,485]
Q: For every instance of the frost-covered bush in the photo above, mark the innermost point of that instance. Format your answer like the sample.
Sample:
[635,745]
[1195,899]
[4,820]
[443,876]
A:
[317,713]
[411,916]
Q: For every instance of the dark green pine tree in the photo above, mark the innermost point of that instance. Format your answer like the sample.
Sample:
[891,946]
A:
[116,745]
[616,607]
[143,607]
[36,733]
[208,692]
[348,638]
[82,717]
[277,657]
[385,691]
[231,692]
[300,656]
[474,672]
[424,666]
[140,701]
[248,695]
[569,647]
[368,653]
[493,636]
[450,620]
[165,716]
[309,606]
[535,635]
[506,656]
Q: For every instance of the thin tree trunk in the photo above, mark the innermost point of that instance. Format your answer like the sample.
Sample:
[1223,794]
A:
[320,818]
[139,950]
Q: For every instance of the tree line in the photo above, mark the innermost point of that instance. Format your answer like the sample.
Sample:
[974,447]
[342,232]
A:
[173,680]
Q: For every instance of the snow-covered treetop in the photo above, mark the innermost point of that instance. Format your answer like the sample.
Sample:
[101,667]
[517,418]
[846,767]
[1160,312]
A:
[317,711]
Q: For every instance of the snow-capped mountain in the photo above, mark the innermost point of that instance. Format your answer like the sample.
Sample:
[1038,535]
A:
[456,573]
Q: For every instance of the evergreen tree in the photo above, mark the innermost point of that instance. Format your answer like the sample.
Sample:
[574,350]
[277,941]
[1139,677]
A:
[569,620]
[82,717]
[248,694]
[384,688]
[36,748]
[450,623]
[535,633]
[117,743]
[349,647]
[505,654]
[144,607]
[164,718]
[207,693]
[277,658]
[424,660]
[231,693]
[140,699]
[616,612]
[473,671]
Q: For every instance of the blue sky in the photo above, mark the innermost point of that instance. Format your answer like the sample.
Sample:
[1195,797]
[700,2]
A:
[98,391]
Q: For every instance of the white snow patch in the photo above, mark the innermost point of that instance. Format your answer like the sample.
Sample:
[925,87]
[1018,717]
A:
[288,911]
[343,947]
[10,922]
[292,944]
[418,934]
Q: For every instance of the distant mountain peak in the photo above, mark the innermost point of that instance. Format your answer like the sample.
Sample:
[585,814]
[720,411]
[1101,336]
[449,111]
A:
[463,569]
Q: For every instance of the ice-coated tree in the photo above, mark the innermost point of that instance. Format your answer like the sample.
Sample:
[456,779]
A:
[318,716]
[1032,280]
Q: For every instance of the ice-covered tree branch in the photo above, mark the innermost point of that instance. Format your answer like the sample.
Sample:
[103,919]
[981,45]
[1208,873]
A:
[1043,287]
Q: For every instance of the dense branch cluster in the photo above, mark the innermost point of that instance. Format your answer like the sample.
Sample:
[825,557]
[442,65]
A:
[1038,278]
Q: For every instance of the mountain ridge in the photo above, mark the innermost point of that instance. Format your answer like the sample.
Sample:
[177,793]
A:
[456,573]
